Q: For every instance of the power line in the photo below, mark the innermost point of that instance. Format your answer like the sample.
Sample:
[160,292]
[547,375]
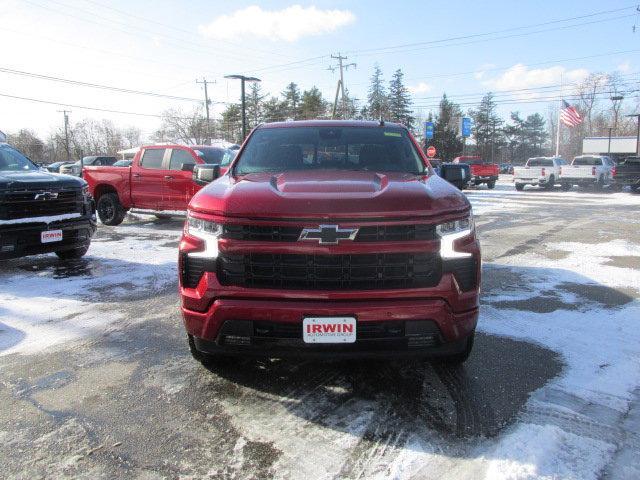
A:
[132,31]
[523,27]
[94,85]
[173,27]
[84,107]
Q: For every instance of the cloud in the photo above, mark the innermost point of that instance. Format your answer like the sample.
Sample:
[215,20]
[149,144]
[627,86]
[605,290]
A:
[520,77]
[624,67]
[289,24]
[479,75]
[422,87]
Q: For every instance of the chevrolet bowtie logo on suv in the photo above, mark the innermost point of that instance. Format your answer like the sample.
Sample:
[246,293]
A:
[46,196]
[328,234]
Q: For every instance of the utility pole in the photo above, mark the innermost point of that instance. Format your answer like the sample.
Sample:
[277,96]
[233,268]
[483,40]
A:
[205,82]
[66,133]
[342,67]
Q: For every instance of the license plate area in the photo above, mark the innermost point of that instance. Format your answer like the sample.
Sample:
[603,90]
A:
[329,330]
[49,236]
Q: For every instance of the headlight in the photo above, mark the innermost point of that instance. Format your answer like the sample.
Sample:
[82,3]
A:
[449,232]
[207,231]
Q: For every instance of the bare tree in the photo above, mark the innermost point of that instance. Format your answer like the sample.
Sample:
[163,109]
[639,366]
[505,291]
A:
[589,92]
[180,126]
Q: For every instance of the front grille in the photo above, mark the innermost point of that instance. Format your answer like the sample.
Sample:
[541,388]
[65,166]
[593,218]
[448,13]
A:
[464,270]
[330,272]
[381,233]
[23,204]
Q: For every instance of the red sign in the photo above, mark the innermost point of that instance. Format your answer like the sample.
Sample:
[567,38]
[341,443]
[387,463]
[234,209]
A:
[431,151]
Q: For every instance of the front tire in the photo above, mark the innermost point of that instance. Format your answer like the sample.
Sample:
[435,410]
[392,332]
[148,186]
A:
[460,358]
[491,184]
[519,186]
[110,210]
[599,185]
[550,184]
[73,254]
[566,187]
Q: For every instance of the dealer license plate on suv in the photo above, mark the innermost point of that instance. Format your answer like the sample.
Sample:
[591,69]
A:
[329,330]
[51,236]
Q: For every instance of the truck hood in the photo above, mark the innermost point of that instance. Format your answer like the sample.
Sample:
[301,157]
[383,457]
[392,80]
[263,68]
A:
[329,194]
[37,180]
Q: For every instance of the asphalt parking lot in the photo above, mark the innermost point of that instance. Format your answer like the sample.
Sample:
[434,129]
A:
[97,380]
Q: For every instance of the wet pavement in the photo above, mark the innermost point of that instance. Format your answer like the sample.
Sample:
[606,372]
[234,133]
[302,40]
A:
[124,399]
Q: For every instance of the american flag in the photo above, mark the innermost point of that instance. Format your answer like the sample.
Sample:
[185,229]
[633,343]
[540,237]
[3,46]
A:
[569,115]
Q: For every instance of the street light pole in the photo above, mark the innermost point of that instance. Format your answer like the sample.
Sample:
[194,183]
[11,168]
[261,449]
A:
[243,79]
[609,147]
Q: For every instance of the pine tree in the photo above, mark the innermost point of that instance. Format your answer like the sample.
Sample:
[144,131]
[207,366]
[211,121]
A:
[292,100]
[254,105]
[232,123]
[273,110]
[312,105]
[377,105]
[400,101]
[445,131]
[487,128]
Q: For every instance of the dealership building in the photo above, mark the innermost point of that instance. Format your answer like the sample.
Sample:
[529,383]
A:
[619,147]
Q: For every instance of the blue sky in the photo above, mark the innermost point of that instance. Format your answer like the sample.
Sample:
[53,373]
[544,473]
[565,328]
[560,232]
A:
[163,46]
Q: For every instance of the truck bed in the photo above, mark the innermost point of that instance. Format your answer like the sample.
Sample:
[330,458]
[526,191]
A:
[117,177]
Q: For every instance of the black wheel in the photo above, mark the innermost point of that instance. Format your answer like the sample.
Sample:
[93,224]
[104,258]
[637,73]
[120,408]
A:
[73,254]
[549,185]
[566,187]
[458,358]
[491,184]
[519,186]
[110,209]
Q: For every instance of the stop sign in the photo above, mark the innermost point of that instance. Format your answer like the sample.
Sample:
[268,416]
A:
[431,151]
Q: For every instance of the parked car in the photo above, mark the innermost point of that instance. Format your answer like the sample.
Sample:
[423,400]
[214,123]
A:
[330,239]
[541,171]
[160,179]
[627,173]
[588,170]
[506,168]
[481,171]
[76,170]
[55,167]
[123,163]
[457,174]
[42,212]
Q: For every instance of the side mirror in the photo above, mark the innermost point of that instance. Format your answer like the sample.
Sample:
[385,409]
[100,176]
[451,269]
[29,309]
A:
[206,173]
[187,167]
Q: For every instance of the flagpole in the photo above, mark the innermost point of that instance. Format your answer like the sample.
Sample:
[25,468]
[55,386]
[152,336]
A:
[559,109]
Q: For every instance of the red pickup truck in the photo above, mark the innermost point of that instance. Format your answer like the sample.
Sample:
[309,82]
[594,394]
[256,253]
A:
[481,172]
[159,179]
[329,239]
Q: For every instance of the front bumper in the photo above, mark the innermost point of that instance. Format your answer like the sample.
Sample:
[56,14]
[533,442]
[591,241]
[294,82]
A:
[20,240]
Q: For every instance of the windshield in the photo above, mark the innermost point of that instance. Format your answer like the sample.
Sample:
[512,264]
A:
[12,160]
[540,162]
[221,156]
[323,148]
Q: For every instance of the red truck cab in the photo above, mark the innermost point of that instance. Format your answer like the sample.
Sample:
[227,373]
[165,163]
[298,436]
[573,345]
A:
[330,239]
[160,179]
[481,171]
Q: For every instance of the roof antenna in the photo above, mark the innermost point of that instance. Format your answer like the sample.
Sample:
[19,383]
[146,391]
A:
[381,121]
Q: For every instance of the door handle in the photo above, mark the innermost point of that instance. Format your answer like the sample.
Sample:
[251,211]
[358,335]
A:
[168,177]
[136,175]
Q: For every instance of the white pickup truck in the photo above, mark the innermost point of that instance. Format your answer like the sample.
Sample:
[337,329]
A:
[541,171]
[595,170]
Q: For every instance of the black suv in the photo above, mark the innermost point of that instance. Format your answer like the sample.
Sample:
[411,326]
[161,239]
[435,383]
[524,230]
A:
[42,212]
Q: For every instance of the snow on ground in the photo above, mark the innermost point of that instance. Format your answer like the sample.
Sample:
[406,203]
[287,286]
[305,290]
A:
[37,312]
